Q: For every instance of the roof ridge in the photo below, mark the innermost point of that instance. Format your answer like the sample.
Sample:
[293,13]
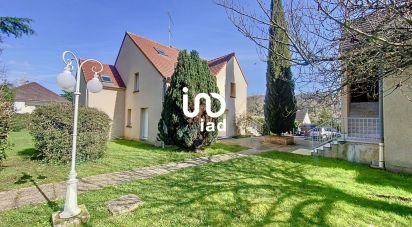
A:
[151,40]
[28,82]
[224,56]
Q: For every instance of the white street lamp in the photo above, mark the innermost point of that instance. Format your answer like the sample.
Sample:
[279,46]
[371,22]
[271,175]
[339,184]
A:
[68,82]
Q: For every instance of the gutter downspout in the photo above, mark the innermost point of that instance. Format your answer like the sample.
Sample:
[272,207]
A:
[381,163]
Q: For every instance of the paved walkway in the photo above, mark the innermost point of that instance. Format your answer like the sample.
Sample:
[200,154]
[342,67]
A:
[46,193]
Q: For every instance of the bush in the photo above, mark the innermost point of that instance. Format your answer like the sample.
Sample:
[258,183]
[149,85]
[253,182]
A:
[20,122]
[6,114]
[51,127]
[174,127]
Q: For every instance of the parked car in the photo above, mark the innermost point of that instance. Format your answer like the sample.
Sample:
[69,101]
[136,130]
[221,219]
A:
[304,129]
[323,132]
[299,133]
[316,132]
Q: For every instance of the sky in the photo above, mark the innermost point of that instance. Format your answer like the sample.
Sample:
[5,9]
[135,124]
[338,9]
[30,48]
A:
[95,29]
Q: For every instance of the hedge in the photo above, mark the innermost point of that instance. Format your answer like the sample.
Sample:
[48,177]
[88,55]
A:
[20,122]
[6,114]
[51,128]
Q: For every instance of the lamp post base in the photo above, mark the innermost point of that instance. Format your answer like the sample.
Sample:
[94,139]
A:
[70,204]
[67,215]
[78,220]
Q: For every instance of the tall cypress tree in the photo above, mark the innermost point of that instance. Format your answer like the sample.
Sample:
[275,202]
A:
[174,127]
[280,103]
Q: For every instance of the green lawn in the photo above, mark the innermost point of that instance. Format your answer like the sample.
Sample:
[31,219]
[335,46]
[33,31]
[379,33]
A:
[274,189]
[19,171]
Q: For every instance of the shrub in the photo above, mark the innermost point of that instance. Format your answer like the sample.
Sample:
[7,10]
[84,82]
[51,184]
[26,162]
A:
[174,127]
[20,122]
[51,127]
[6,113]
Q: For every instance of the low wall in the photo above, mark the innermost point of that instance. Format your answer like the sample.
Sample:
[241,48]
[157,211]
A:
[367,153]
[281,140]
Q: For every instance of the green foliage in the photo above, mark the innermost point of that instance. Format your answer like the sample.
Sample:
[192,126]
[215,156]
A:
[242,122]
[270,189]
[15,26]
[174,127]
[121,155]
[67,95]
[51,128]
[280,103]
[295,124]
[325,115]
[6,114]
[20,122]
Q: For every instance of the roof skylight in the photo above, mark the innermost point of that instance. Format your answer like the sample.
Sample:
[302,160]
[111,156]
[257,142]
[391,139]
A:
[106,78]
[160,51]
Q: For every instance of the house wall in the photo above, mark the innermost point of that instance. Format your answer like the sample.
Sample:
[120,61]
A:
[130,61]
[21,108]
[83,93]
[235,106]
[221,84]
[110,101]
[397,127]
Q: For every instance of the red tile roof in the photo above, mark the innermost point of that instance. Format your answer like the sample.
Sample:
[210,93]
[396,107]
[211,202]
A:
[215,65]
[165,64]
[34,92]
[109,70]
[162,57]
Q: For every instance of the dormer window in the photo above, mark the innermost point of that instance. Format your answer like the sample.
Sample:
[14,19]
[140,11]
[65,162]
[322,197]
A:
[106,79]
[160,51]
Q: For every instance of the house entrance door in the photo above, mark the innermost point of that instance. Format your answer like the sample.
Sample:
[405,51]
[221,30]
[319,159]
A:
[144,124]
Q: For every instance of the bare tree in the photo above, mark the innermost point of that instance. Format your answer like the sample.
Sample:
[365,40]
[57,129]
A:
[330,39]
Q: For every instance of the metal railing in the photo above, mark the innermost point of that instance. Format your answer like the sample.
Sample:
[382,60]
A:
[324,133]
[362,128]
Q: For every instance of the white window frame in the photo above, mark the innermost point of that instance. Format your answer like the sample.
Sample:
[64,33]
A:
[233,90]
[136,82]
[129,118]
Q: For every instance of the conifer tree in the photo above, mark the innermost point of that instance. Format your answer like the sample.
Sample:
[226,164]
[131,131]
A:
[174,127]
[280,103]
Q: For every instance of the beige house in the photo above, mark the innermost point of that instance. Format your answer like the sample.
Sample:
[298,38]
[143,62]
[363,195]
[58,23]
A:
[365,124]
[379,121]
[134,87]
[376,125]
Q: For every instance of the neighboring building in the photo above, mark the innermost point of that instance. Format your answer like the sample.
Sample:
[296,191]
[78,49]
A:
[365,139]
[134,87]
[304,123]
[302,117]
[30,95]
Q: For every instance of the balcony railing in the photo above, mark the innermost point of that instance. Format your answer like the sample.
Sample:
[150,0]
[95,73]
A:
[362,128]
